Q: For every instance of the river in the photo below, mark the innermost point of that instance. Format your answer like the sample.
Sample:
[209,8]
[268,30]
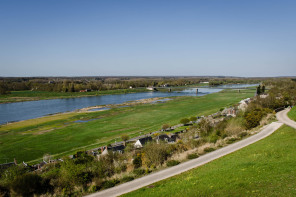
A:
[12,112]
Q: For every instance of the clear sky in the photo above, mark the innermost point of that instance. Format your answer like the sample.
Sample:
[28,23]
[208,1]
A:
[147,37]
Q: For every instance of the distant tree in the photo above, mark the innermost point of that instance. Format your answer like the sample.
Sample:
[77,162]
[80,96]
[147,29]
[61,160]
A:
[259,90]
[3,88]
[72,89]
[193,118]
[263,89]
[124,138]
[165,126]
[184,121]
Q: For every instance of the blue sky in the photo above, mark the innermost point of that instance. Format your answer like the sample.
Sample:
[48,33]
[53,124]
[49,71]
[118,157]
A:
[136,37]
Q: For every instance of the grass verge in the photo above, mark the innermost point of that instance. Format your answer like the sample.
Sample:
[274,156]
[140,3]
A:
[266,168]
[292,114]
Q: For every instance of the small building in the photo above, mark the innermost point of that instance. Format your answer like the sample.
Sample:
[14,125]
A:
[141,142]
[85,90]
[162,137]
[151,88]
[6,165]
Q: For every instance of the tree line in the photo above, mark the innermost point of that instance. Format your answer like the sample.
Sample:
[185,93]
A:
[67,84]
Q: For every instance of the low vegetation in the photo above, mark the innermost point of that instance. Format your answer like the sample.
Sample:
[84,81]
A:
[266,168]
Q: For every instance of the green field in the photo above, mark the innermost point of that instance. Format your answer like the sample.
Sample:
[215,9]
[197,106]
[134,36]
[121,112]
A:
[266,168]
[292,114]
[30,140]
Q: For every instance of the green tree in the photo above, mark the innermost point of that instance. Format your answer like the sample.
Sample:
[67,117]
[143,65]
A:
[124,138]
[4,89]
[184,121]
[263,89]
[259,90]
[193,118]
[165,126]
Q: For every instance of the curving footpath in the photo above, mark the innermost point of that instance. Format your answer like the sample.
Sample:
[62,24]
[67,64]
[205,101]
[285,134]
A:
[282,117]
[172,171]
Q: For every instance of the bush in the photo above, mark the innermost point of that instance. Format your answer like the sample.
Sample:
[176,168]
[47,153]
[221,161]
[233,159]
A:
[127,179]
[4,191]
[192,156]
[172,163]
[93,188]
[184,121]
[165,126]
[137,162]
[193,118]
[231,140]
[243,134]
[109,183]
[155,154]
[28,184]
[139,172]
[209,149]
[235,126]
[214,138]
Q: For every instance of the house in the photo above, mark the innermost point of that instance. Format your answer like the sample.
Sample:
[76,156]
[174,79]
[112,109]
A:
[115,149]
[151,88]
[162,137]
[173,137]
[243,104]
[85,90]
[141,142]
[6,165]
[229,112]
[118,148]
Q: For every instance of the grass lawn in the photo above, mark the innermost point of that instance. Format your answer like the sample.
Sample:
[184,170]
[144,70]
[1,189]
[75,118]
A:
[266,168]
[59,135]
[292,113]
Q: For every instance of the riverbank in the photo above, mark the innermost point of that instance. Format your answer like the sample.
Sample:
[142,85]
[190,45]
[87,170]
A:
[22,96]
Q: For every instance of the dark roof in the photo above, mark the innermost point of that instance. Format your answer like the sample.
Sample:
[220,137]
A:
[6,165]
[145,140]
[118,147]
[163,137]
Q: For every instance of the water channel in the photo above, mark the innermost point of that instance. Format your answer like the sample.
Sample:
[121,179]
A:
[12,112]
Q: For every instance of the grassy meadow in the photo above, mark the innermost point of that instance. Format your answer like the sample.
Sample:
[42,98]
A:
[266,168]
[59,135]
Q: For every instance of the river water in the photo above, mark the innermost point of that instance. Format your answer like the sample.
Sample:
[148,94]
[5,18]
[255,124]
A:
[12,112]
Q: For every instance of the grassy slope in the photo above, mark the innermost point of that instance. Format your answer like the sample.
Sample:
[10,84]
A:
[266,168]
[292,114]
[28,141]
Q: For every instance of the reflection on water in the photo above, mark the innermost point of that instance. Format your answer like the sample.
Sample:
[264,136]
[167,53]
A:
[32,109]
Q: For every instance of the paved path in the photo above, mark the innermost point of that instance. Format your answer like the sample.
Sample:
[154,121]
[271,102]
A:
[282,117]
[172,171]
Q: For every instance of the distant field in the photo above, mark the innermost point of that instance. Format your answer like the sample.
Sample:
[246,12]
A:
[292,114]
[266,168]
[31,139]
[18,96]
